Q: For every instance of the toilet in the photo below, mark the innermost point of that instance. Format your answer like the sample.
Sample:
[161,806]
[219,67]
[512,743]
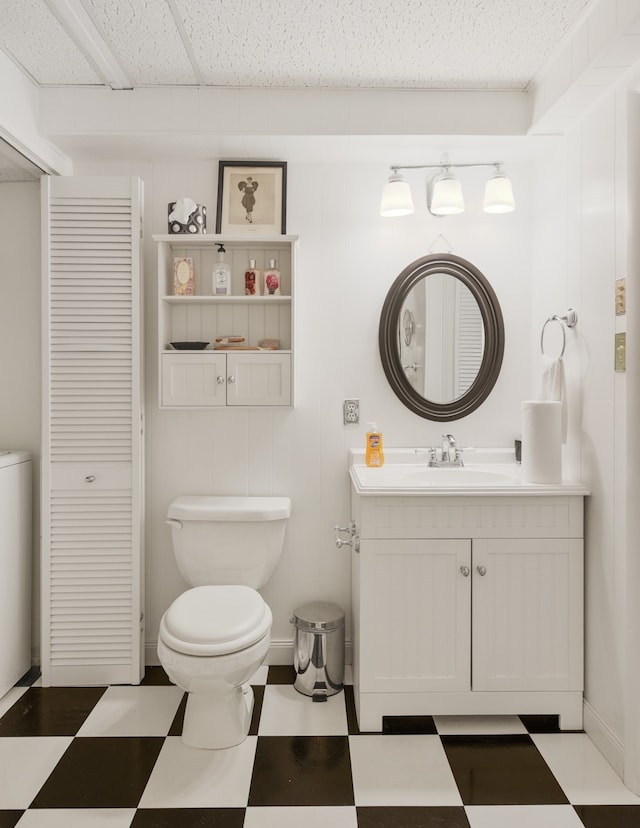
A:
[215,635]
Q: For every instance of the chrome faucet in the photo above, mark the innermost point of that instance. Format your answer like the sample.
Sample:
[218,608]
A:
[450,454]
[449,448]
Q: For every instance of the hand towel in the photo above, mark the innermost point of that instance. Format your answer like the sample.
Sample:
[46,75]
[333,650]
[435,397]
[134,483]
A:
[552,387]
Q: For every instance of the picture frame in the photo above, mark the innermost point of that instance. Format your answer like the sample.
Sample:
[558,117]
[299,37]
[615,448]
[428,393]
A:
[252,198]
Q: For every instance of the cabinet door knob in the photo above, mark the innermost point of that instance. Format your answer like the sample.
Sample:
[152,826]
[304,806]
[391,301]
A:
[465,571]
[220,380]
[482,570]
[90,478]
[231,379]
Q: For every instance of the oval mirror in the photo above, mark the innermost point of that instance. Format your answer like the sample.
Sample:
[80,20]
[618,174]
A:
[441,337]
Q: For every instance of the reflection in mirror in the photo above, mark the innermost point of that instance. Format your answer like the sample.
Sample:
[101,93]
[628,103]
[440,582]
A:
[442,359]
[441,337]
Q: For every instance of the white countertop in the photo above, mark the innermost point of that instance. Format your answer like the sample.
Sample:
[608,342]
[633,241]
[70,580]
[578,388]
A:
[486,473]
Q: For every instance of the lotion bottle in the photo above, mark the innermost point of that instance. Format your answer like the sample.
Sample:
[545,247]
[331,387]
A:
[221,275]
[272,279]
[252,279]
[374,454]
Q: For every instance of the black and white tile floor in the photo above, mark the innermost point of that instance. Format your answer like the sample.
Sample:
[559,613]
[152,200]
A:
[111,757]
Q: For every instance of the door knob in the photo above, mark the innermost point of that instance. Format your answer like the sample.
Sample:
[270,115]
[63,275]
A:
[465,571]
[482,570]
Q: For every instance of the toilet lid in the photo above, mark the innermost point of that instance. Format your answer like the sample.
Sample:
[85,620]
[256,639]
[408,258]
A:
[215,620]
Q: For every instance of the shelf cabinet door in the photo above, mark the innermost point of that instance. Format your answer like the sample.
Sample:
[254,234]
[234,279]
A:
[258,379]
[527,614]
[414,615]
[194,379]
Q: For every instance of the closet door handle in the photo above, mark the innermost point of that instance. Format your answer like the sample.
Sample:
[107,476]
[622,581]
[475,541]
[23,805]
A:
[90,478]
[482,570]
[465,571]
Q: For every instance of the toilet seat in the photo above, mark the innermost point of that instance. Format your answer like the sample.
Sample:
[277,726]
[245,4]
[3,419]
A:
[215,620]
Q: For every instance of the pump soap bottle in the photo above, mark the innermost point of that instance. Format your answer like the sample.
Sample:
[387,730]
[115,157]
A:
[374,454]
[221,275]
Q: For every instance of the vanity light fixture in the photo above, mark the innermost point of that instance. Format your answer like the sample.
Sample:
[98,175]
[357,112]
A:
[444,191]
[396,196]
[498,193]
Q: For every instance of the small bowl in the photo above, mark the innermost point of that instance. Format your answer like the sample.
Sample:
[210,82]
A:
[189,346]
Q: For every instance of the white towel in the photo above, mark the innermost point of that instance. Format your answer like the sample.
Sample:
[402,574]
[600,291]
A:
[552,387]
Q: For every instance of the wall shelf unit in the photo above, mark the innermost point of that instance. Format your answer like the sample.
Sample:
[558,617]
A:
[246,376]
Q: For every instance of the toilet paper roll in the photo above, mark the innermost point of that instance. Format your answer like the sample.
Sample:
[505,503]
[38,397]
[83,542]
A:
[541,441]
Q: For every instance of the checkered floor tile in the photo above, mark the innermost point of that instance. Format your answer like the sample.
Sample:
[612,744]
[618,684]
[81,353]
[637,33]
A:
[112,757]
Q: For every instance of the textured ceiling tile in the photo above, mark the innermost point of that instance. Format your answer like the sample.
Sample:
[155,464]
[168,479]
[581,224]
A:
[36,40]
[12,172]
[145,39]
[444,44]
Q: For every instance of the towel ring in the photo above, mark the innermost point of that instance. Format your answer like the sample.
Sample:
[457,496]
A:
[570,319]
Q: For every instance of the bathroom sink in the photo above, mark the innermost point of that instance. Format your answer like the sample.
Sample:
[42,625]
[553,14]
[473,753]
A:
[485,472]
[412,476]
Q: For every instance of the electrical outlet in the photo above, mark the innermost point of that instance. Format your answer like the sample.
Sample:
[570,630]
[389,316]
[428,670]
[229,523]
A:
[351,412]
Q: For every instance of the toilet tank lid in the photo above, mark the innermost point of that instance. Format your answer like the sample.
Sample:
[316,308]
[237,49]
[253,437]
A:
[210,507]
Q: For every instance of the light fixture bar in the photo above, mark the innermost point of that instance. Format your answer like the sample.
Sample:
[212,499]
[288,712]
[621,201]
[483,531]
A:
[443,165]
[444,192]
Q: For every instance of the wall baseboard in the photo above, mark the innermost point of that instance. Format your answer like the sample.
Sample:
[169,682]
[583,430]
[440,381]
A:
[604,739]
[280,652]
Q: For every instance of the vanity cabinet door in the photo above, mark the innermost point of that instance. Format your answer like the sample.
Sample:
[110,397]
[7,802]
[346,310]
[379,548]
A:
[414,615]
[527,614]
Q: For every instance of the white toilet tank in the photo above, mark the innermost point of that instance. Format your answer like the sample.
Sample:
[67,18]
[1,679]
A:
[228,540]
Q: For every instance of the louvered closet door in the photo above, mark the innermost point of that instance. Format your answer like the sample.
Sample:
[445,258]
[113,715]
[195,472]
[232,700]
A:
[92,497]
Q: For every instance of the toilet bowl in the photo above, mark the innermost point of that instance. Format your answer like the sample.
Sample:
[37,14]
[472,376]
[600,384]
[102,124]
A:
[212,639]
[215,635]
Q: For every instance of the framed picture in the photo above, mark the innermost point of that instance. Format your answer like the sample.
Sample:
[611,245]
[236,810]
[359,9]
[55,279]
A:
[252,198]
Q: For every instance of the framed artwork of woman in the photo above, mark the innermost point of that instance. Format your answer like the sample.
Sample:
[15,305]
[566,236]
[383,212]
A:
[252,198]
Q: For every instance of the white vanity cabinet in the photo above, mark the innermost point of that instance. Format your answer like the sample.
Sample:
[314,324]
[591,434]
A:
[244,376]
[468,605]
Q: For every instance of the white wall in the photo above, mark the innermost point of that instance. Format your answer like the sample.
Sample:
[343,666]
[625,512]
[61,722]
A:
[593,222]
[20,341]
[348,258]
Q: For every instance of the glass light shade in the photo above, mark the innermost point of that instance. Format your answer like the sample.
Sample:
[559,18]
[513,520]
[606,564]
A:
[498,195]
[396,197]
[446,198]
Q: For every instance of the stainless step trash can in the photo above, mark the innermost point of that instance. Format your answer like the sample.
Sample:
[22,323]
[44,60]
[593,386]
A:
[318,649]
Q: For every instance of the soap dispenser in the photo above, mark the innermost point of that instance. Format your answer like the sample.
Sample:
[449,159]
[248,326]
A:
[374,454]
[221,274]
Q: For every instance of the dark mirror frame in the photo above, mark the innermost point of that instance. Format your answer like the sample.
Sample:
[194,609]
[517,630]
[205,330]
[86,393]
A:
[492,320]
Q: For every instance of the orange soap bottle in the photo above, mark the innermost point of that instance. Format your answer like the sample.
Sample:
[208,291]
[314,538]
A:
[374,454]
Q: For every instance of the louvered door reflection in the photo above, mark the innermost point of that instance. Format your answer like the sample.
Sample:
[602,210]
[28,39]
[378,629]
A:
[92,508]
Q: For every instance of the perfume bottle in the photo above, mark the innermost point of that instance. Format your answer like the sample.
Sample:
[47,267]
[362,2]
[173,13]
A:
[252,279]
[272,279]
